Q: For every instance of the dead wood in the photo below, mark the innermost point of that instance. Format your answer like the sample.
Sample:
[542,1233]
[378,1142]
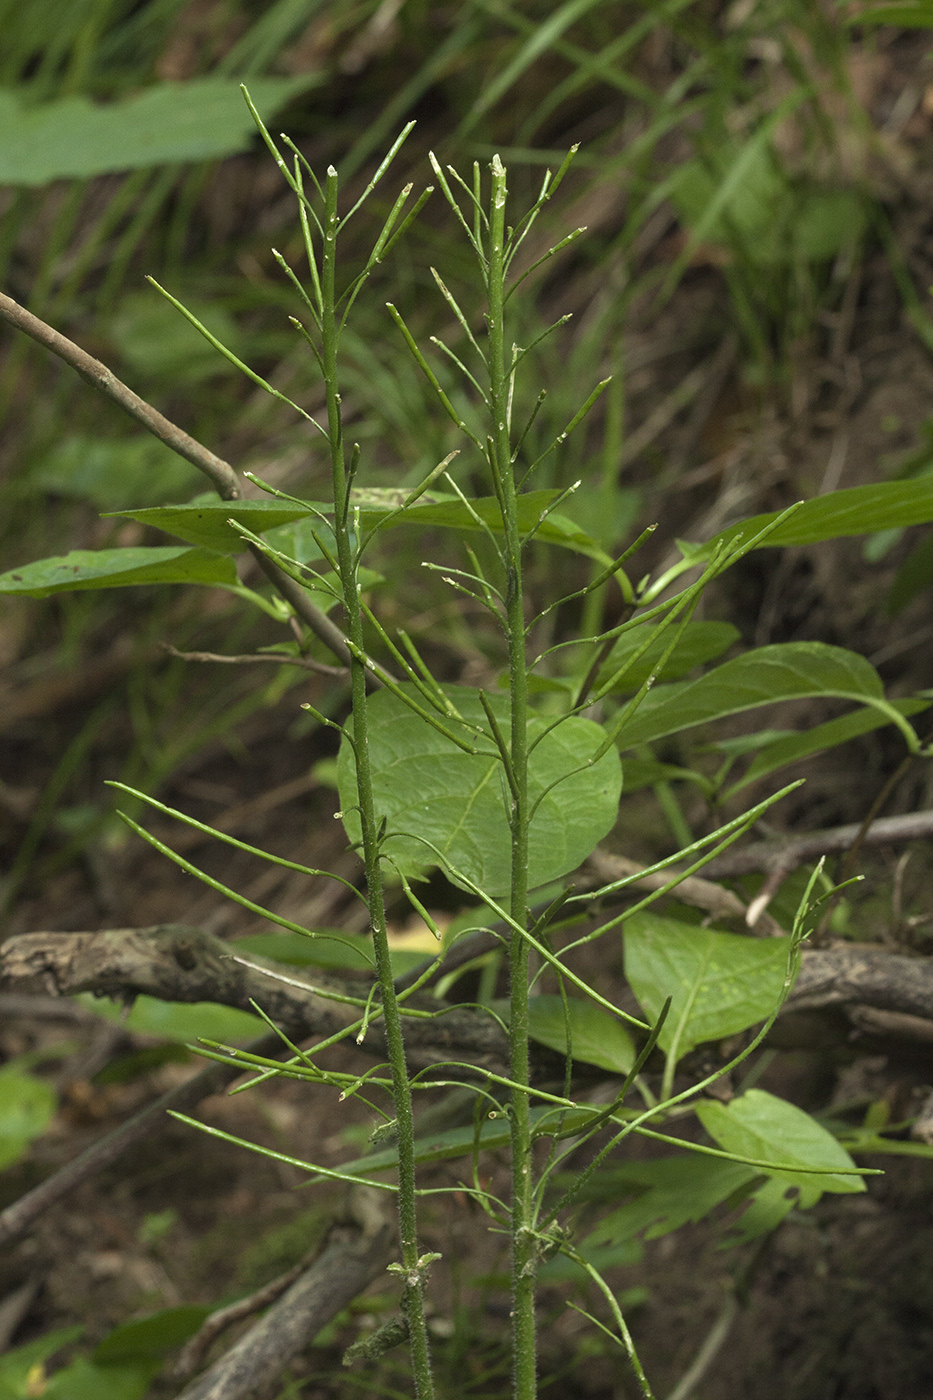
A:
[853,975]
[194,1352]
[177,963]
[704,894]
[350,1261]
[786,854]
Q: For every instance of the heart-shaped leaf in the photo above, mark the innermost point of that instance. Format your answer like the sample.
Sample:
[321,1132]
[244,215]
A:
[425,786]
[719,983]
[766,1128]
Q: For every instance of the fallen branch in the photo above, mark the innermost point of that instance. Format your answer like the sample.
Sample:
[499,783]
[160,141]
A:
[776,859]
[350,1261]
[176,963]
[193,1353]
[850,975]
[256,658]
[220,473]
[786,854]
[705,894]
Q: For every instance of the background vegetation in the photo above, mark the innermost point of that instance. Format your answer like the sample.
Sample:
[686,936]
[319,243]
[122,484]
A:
[755,183]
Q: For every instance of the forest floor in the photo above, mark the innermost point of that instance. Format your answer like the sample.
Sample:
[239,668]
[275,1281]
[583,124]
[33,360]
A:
[839,1306]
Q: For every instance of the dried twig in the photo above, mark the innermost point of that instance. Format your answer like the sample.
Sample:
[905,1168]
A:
[786,854]
[255,658]
[853,975]
[220,473]
[14,1308]
[778,858]
[176,963]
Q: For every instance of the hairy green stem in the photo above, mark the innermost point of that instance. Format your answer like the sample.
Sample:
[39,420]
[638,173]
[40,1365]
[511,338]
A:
[411,1267]
[524,1244]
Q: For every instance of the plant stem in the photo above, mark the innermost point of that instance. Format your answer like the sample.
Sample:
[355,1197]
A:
[412,1272]
[524,1245]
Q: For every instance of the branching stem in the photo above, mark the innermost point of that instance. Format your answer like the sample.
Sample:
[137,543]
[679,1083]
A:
[524,1242]
[412,1269]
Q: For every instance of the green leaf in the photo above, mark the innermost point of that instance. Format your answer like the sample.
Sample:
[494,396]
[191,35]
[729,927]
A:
[450,512]
[734,195]
[759,1125]
[645,772]
[606,512]
[458,1142]
[720,983]
[858,510]
[325,587]
[157,342]
[27,1106]
[374,507]
[15,1365]
[113,472]
[321,951]
[297,540]
[867,1140]
[74,138]
[699,642]
[786,671]
[184,1022]
[563,1270]
[117,568]
[772,219]
[666,1193]
[768,1205]
[150,1338]
[204,522]
[424,784]
[790,748]
[826,222]
[85,1380]
[595,1037]
[914,575]
[916,14]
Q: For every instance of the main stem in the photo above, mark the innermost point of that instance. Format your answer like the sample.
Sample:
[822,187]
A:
[413,1294]
[524,1246]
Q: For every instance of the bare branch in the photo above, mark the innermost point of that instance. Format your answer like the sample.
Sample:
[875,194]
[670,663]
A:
[176,963]
[776,859]
[194,1351]
[853,975]
[702,893]
[349,1262]
[786,855]
[256,658]
[220,473]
